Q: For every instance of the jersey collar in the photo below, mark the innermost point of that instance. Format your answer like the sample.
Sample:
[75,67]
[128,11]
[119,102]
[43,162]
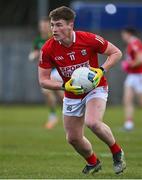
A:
[133,38]
[74,37]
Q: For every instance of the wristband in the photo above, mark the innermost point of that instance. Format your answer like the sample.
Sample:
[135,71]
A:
[104,71]
[63,87]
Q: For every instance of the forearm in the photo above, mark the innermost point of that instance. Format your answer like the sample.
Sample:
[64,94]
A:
[51,84]
[136,63]
[33,55]
[112,60]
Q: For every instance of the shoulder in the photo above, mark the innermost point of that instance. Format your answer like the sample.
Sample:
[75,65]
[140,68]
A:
[85,34]
[135,45]
[89,37]
[49,44]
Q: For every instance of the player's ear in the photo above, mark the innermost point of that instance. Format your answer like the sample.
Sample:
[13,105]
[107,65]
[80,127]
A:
[71,24]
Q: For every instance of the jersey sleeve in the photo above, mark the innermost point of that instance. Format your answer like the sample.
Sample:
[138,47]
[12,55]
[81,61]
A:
[136,47]
[45,59]
[98,43]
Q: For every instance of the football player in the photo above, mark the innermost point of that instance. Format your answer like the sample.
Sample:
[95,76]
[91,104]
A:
[133,66]
[68,50]
[50,96]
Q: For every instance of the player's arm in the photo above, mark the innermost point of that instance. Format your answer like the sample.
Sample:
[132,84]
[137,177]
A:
[34,55]
[45,80]
[48,83]
[35,52]
[137,61]
[113,56]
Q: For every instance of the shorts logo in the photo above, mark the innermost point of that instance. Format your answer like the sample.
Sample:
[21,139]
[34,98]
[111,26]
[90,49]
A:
[69,108]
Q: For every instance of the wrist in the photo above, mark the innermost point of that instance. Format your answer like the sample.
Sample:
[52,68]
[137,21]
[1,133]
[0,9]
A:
[63,87]
[103,70]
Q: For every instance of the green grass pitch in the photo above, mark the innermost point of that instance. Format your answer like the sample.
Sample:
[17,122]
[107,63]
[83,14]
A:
[27,150]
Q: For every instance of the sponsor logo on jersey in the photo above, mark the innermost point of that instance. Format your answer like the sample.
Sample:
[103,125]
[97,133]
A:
[68,70]
[83,52]
[58,58]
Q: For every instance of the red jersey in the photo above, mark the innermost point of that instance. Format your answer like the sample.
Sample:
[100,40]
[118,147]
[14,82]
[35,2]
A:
[82,53]
[133,48]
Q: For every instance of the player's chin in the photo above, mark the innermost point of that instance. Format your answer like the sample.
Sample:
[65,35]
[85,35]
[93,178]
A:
[56,38]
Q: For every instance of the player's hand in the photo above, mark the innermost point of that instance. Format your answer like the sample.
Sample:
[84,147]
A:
[99,74]
[125,66]
[74,89]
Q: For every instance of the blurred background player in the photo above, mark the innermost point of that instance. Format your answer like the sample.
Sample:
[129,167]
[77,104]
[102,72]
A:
[50,96]
[133,67]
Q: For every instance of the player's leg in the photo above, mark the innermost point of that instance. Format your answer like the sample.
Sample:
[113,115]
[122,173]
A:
[74,128]
[95,108]
[138,89]
[128,99]
[51,102]
[73,110]
[60,95]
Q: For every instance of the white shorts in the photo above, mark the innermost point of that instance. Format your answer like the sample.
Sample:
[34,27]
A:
[76,107]
[55,75]
[134,81]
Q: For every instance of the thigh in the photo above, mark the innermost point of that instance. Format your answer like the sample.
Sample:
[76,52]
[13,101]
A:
[49,94]
[60,94]
[95,109]
[138,84]
[73,107]
[74,126]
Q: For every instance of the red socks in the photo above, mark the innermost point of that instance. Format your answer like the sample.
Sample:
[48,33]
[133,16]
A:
[115,148]
[92,159]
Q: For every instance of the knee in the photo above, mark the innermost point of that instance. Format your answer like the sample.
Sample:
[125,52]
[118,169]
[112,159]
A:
[72,140]
[127,101]
[95,125]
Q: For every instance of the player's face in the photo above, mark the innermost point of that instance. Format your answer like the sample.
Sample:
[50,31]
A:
[44,27]
[125,36]
[61,29]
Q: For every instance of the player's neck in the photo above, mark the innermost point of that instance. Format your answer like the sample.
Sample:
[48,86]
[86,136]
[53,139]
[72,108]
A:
[68,41]
[132,38]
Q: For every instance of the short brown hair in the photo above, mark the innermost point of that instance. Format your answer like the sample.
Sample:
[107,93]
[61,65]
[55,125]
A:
[62,12]
[131,31]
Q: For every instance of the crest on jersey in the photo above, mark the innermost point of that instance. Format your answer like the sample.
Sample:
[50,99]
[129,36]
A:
[83,52]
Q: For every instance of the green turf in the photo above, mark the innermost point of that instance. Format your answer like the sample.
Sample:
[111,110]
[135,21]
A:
[27,150]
